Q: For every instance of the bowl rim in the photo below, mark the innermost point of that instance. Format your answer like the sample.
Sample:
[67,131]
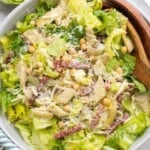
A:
[4,124]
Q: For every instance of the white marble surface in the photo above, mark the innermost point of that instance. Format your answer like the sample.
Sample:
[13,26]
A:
[145,10]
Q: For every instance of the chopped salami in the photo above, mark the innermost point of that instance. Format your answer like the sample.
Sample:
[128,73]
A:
[86,90]
[42,83]
[97,116]
[68,132]
[9,57]
[116,123]
[59,64]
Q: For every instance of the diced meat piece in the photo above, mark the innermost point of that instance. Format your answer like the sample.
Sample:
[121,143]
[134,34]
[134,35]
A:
[59,64]
[68,132]
[9,56]
[97,116]
[86,90]
[116,123]
[42,83]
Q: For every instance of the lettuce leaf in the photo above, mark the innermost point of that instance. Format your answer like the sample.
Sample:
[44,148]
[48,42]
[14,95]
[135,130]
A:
[26,24]
[9,78]
[57,47]
[5,100]
[40,123]
[18,112]
[13,42]
[72,33]
[84,14]
[25,131]
[125,61]
[45,5]
[111,19]
[110,40]
[112,64]
[126,134]
[140,87]
[81,141]
[12,1]
[50,73]
[44,139]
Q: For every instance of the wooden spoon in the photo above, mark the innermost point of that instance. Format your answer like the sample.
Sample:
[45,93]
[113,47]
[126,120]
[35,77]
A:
[141,38]
[142,68]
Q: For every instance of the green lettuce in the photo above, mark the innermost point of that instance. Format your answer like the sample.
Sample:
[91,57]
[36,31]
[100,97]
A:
[111,20]
[9,78]
[80,141]
[125,61]
[40,123]
[84,14]
[44,139]
[72,33]
[5,100]
[57,47]
[13,42]
[111,41]
[16,112]
[25,131]
[12,1]
[45,5]
[126,134]
[112,64]
[140,87]
[26,24]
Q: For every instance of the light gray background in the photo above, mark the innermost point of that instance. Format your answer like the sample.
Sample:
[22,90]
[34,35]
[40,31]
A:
[140,4]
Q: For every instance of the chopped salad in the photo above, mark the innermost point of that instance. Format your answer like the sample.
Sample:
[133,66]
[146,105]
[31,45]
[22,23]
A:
[66,78]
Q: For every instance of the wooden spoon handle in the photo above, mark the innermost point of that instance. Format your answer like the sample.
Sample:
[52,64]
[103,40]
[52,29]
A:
[142,68]
[140,52]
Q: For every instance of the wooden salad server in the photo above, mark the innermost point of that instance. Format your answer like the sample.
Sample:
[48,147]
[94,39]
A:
[139,31]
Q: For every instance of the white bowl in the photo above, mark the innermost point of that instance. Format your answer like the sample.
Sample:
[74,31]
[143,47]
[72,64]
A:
[9,23]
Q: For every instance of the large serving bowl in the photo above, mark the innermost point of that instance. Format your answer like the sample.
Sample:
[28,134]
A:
[9,23]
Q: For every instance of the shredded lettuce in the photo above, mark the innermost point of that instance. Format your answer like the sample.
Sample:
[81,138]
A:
[77,107]
[43,6]
[57,47]
[40,123]
[18,111]
[12,1]
[140,87]
[44,138]
[13,42]
[125,61]
[9,78]
[111,20]
[25,131]
[111,42]
[82,11]
[72,33]
[5,100]
[126,134]
[80,141]
[26,24]
[50,73]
